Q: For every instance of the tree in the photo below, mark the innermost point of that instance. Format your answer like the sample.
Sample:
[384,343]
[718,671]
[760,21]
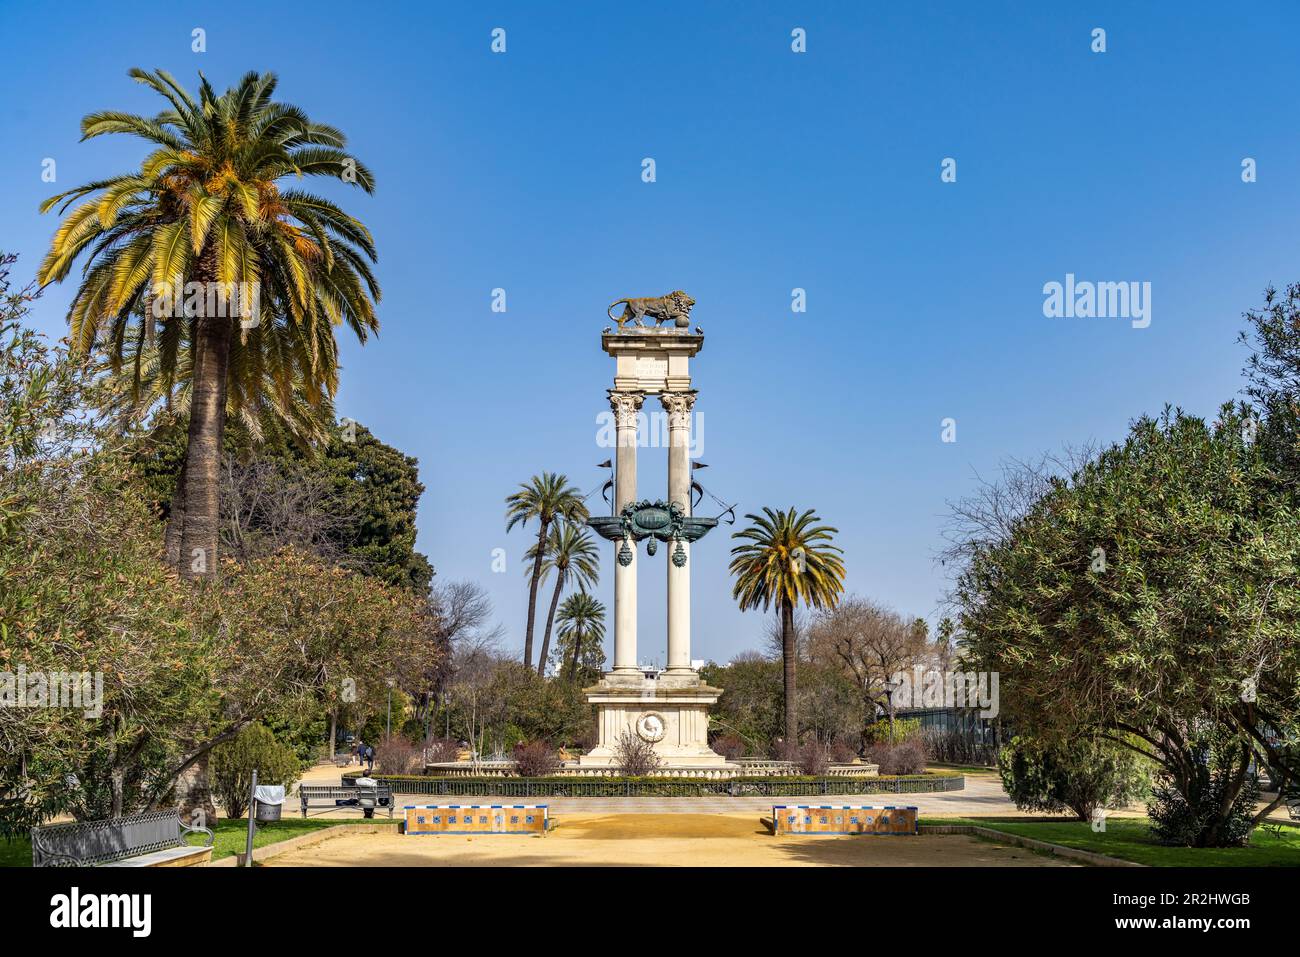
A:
[205,213]
[381,486]
[298,638]
[84,598]
[752,708]
[546,498]
[351,500]
[1147,595]
[572,555]
[1273,374]
[581,636]
[870,644]
[787,559]
[458,613]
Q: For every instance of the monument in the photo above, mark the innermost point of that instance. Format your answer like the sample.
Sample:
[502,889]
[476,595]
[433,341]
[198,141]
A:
[669,711]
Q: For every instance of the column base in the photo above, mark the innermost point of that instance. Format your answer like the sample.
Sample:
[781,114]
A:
[671,713]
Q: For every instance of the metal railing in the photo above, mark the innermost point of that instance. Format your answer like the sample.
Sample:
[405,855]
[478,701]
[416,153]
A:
[669,787]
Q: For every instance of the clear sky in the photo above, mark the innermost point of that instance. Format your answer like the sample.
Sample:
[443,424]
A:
[775,170]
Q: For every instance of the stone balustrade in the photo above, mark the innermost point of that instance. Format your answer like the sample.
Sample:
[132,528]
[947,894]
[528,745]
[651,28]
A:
[742,768]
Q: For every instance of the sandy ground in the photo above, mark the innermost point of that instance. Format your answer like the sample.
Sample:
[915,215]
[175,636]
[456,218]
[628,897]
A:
[697,840]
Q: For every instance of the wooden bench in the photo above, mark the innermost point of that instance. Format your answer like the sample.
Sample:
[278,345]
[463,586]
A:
[149,839]
[841,819]
[1293,806]
[348,795]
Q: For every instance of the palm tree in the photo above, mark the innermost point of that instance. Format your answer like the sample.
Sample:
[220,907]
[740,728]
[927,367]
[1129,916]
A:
[547,497]
[582,627]
[787,559]
[572,555]
[136,389]
[206,207]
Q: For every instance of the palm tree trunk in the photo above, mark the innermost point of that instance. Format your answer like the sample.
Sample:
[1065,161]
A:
[532,594]
[550,620]
[579,635]
[788,654]
[203,453]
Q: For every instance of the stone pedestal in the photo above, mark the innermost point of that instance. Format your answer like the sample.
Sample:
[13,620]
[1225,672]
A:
[671,713]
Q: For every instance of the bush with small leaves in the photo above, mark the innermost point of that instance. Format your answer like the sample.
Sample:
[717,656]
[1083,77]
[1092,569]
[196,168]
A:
[813,758]
[729,746]
[635,757]
[233,762]
[535,759]
[441,750]
[1082,775]
[397,755]
[843,751]
[904,757]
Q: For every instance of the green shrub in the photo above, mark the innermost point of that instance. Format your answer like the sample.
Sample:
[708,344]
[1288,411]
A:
[1191,813]
[233,762]
[1083,775]
[905,729]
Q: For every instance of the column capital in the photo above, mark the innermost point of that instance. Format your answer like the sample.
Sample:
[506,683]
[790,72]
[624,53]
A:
[678,405]
[625,404]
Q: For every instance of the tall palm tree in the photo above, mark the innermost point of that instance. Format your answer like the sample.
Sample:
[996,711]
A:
[207,207]
[582,626]
[572,555]
[787,559]
[547,498]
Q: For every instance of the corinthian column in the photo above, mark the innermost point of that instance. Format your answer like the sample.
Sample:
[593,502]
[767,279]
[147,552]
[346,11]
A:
[678,406]
[626,405]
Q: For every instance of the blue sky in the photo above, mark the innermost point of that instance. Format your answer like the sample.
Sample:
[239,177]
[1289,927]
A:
[775,170]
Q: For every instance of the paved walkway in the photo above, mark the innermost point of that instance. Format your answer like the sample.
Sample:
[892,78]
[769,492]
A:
[982,796]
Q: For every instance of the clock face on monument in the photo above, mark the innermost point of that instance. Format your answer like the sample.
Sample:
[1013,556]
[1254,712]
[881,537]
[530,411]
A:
[650,727]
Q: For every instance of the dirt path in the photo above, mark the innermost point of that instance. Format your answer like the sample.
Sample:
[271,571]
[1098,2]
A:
[700,840]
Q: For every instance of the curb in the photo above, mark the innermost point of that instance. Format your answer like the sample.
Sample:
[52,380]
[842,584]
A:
[1087,857]
[289,844]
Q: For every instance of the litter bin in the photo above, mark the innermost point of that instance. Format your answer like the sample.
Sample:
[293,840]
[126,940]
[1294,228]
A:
[269,799]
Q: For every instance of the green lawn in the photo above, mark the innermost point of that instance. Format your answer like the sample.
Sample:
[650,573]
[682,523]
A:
[1130,839]
[963,768]
[231,838]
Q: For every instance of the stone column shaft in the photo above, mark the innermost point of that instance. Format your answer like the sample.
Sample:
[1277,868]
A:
[626,405]
[678,405]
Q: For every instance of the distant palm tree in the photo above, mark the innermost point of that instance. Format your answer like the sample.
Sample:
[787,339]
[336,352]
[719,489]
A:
[547,498]
[582,627]
[788,559]
[215,204]
[572,555]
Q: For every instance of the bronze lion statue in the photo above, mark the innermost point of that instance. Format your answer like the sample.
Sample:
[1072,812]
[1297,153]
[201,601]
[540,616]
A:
[674,307]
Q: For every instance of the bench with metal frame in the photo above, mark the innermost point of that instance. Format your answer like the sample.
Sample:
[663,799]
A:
[148,839]
[346,796]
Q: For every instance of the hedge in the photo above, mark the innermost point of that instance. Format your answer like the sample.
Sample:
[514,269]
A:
[769,786]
